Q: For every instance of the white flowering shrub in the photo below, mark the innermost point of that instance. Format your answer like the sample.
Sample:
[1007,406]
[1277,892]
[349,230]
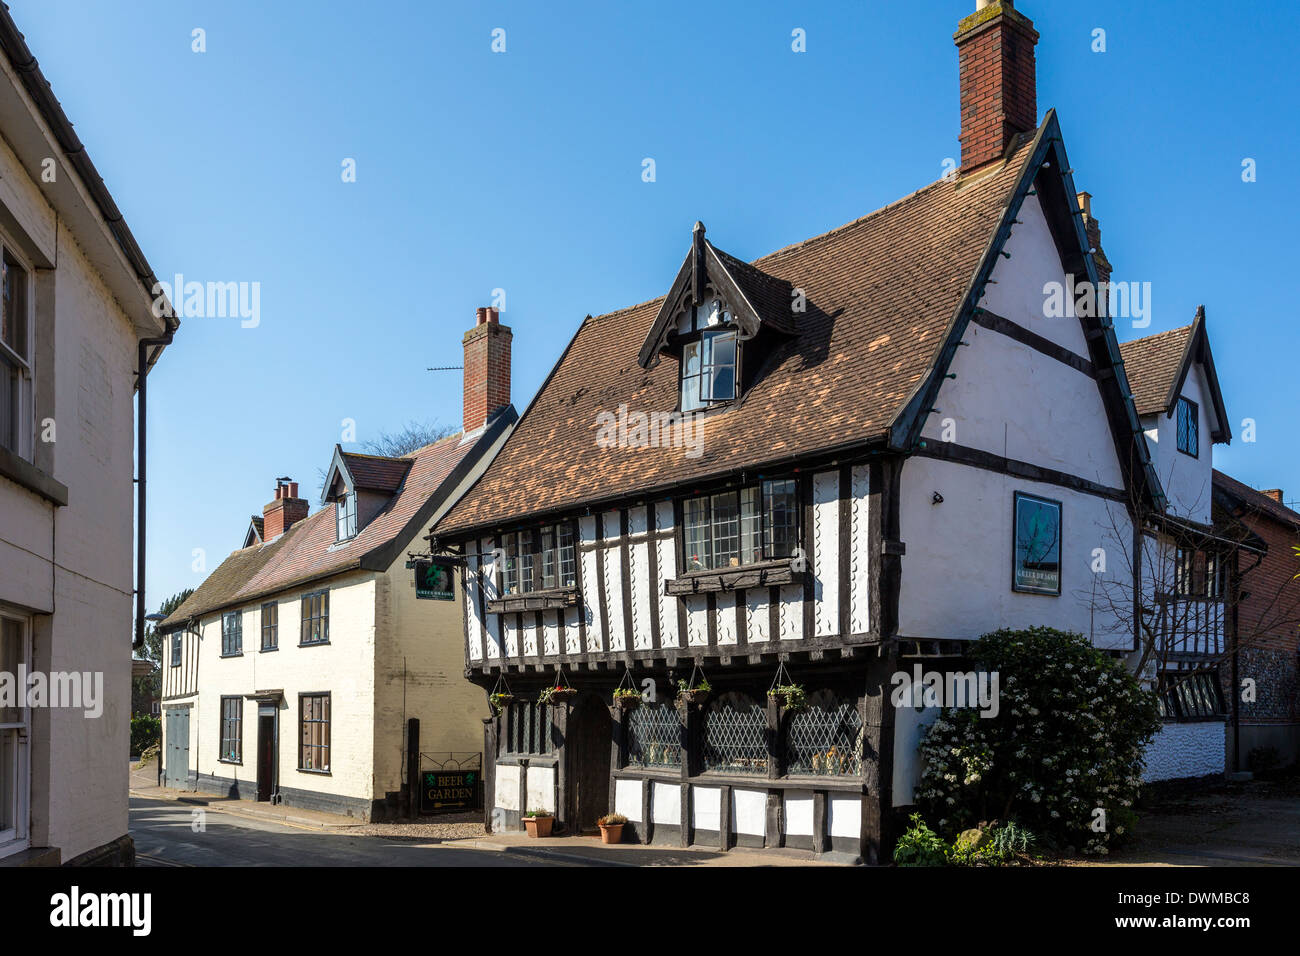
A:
[1068,740]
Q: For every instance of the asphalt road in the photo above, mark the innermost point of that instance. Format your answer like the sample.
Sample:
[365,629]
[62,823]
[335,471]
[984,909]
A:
[166,833]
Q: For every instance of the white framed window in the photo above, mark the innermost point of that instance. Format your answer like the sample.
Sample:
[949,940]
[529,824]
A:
[15,728]
[345,516]
[17,348]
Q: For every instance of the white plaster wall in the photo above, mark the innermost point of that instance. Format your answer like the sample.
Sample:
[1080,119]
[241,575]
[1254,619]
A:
[344,668]
[749,811]
[956,580]
[1017,292]
[611,558]
[798,812]
[706,808]
[826,544]
[1187,481]
[1194,749]
[844,815]
[666,803]
[627,799]
[666,561]
[76,561]
[507,787]
[639,576]
[592,599]
[541,788]
[859,563]
[1013,401]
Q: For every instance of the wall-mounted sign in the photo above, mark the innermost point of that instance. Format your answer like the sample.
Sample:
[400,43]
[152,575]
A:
[1036,545]
[445,791]
[433,579]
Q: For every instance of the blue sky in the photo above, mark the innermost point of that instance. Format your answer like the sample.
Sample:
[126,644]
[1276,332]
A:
[522,171]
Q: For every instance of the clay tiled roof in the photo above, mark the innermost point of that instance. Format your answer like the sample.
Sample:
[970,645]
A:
[375,473]
[306,552]
[881,294]
[1255,501]
[1152,365]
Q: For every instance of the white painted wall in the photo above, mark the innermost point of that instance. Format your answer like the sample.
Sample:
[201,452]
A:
[956,580]
[507,787]
[541,788]
[344,668]
[749,811]
[666,803]
[706,808]
[627,798]
[1187,481]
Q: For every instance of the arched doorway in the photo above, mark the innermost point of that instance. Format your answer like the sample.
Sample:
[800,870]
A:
[587,742]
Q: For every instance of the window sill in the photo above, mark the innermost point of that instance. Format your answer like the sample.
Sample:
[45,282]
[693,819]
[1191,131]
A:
[236,654]
[267,650]
[311,643]
[233,763]
[549,599]
[22,472]
[731,579]
[318,773]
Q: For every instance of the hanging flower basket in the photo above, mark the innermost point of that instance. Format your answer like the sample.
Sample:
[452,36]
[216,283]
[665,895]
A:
[500,698]
[789,695]
[695,690]
[627,699]
[558,694]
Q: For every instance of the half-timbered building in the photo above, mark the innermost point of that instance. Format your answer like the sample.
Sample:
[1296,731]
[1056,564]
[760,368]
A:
[827,466]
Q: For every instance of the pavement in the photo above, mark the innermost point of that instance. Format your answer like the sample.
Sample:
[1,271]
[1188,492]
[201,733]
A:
[184,828]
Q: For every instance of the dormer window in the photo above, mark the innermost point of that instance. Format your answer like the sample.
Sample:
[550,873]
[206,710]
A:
[1189,428]
[345,516]
[710,355]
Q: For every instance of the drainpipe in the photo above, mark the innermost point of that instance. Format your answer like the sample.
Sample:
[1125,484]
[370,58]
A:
[141,378]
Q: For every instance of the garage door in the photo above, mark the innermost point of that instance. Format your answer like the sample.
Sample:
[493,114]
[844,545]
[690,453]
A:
[176,765]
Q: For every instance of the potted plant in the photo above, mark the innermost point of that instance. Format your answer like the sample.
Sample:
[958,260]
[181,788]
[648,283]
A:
[693,695]
[538,823]
[559,693]
[500,701]
[791,697]
[627,698]
[611,827]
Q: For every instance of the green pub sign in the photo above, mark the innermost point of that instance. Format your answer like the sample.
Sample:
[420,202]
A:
[433,580]
[445,791]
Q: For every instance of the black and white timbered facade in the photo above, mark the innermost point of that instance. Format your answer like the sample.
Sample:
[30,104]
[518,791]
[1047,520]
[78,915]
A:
[828,466]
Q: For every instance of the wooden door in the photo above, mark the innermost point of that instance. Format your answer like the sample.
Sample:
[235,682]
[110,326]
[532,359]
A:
[265,756]
[587,745]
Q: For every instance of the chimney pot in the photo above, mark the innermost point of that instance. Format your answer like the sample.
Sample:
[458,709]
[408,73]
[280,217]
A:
[481,315]
[284,512]
[1085,203]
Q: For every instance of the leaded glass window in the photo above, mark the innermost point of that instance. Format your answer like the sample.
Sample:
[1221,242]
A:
[734,528]
[826,737]
[654,736]
[735,735]
[1189,430]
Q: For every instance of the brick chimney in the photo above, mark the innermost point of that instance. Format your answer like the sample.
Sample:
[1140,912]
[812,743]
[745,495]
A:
[487,368]
[1092,228]
[282,513]
[999,98]
[1275,494]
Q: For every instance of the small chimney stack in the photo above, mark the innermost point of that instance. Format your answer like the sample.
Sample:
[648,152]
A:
[487,368]
[1275,494]
[284,511]
[999,96]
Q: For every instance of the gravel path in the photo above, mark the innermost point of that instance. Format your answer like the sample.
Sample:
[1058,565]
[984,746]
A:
[451,826]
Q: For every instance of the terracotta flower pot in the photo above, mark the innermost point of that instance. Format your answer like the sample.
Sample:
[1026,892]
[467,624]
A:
[539,826]
[611,832]
[561,694]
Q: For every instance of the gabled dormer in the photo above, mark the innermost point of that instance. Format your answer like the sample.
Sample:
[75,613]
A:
[360,486]
[1180,405]
[719,322]
[253,536]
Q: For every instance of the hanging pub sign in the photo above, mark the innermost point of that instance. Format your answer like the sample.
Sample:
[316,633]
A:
[433,578]
[445,791]
[1036,542]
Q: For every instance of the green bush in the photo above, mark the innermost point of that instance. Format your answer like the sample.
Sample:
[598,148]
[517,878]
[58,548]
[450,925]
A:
[920,846]
[1069,739]
[146,731]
